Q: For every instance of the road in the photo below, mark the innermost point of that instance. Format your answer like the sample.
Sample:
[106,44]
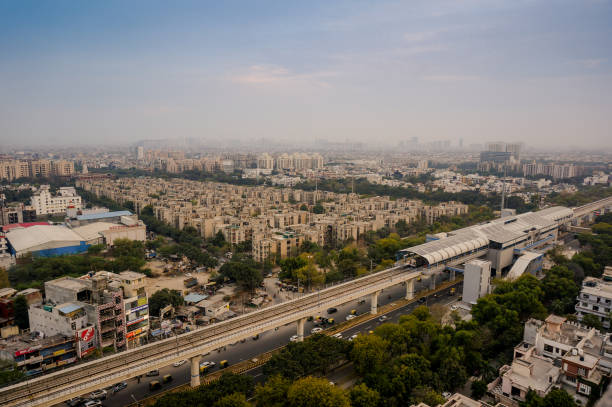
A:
[274,339]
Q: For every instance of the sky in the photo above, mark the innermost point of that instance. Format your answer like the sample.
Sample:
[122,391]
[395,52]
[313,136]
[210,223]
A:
[378,72]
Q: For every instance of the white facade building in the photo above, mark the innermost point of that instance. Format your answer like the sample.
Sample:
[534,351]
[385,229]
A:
[476,283]
[46,204]
[596,298]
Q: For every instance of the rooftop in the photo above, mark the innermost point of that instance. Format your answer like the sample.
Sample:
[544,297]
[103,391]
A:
[93,216]
[25,238]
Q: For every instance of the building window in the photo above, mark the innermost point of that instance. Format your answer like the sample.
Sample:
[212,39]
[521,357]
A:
[584,389]
[548,348]
[570,379]
[595,308]
[581,371]
[516,392]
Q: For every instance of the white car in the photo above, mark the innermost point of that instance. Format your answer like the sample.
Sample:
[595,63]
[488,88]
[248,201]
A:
[99,395]
[446,395]
[294,338]
[316,330]
[179,363]
[454,307]
[383,318]
[207,364]
[92,403]
[349,317]
[353,337]
[338,335]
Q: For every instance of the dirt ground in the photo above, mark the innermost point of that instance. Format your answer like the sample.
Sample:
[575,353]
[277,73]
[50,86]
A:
[170,280]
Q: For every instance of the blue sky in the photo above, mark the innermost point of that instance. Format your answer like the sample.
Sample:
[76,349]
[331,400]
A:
[375,71]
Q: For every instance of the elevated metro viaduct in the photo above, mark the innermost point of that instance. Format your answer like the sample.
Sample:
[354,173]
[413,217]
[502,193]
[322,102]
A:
[496,240]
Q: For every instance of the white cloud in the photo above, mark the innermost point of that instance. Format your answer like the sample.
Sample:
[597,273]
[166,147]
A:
[591,63]
[279,75]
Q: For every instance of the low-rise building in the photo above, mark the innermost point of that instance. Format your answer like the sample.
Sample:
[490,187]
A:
[46,204]
[595,298]
[35,355]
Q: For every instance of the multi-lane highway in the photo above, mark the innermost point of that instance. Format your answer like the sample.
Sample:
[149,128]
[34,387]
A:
[274,339]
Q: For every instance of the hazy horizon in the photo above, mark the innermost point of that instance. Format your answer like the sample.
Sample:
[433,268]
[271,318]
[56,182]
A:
[95,73]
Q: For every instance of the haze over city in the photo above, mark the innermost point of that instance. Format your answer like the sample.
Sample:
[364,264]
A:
[113,72]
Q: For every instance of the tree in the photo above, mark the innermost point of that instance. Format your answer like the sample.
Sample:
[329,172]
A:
[244,271]
[427,395]
[370,354]
[318,208]
[311,391]
[479,389]
[20,307]
[162,298]
[273,393]
[592,321]
[362,396]
[4,279]
[232,400]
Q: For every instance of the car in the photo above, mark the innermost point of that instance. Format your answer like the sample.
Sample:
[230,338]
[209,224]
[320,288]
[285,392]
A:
[92,403]
[353,337]
[338,335]
[208,364]
[446,395]
[179,363]
[454,307]
[332,310]
[383,318]
[153,373]
[316,330]
[332,383]
[98,395]
[119,386]
[422,300]
[350,316]
[294,338]
[74,402]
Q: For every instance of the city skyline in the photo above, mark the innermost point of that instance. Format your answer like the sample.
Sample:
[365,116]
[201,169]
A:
[378,73]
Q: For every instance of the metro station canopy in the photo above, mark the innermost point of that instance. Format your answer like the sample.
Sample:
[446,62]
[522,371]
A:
[449,247]
[503,232]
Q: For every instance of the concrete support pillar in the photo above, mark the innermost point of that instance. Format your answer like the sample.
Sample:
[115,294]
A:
[452,275]
[195,371]
[410,289]
[374,303]
[432,281]
[300,329]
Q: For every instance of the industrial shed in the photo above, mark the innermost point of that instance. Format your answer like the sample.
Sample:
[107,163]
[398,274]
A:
[45,241]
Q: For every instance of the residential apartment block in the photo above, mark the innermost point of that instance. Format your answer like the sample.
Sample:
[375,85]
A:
[46,204]
[595,298]
[14,169]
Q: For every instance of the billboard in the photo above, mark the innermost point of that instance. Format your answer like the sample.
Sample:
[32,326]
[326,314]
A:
[86,342]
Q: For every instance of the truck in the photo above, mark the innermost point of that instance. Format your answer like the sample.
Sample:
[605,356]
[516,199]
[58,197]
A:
[190,282]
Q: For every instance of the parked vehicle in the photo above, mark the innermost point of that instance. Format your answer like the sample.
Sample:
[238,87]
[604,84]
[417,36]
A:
[338,335]
[119,386]
[154,385]
[294,338]
[98,394]
[92,403]
[74,402]
[153,373]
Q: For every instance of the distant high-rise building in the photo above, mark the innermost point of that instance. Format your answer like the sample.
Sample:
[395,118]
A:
[460,143]
[140,152]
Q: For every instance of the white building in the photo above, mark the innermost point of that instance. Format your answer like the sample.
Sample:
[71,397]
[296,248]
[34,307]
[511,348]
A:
[46,204]
[476,283]
[596,298]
